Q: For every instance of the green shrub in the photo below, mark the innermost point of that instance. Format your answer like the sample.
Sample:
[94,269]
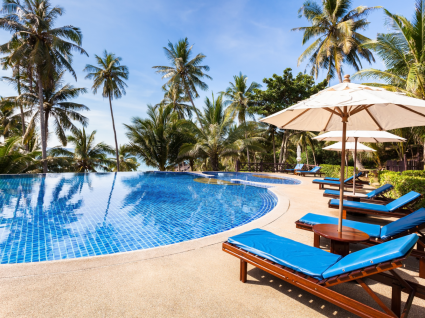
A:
[414,173]
[402,184]
[333,171]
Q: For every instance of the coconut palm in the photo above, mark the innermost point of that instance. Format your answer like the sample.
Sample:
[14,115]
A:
[128,162]
[58,107]
[403,53]
[214,137]
[336,26]
[174,96]
[238,100]
[184,71]
[157,139]
[35,39]
[87,156]
[110,74]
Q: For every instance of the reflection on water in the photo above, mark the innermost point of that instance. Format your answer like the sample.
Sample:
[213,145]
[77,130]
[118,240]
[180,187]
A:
[63,216]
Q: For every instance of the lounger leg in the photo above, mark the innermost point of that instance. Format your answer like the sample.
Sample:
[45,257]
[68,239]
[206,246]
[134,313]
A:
[422,268]
[316,240]
[396,299]
[243,271]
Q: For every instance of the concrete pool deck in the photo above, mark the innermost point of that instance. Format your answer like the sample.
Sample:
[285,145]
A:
[189,279]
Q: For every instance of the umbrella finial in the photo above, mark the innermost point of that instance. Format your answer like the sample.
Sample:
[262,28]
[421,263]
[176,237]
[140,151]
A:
[347,79]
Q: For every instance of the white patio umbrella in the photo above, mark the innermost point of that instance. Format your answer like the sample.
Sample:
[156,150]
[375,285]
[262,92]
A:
[349,146]
[353,146]
[353,107]
[360,135]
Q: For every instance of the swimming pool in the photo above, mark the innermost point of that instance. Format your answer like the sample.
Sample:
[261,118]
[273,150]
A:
[254,177]
[63,216]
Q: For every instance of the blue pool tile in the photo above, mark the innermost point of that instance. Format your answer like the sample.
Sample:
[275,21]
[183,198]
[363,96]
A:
[62,216]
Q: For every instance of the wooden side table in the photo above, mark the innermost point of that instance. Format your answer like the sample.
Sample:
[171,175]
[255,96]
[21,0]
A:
[340,241]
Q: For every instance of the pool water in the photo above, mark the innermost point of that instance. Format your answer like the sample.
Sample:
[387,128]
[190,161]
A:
[254,177]
[63,216]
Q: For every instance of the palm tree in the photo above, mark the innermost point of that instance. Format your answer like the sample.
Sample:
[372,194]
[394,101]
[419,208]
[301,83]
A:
[87,155]
[10,123]
[111,74]
[403,53]
[57,106]
[157,139]
[43,46]
[336,27]
[214,137]
[304,139]
[128,162]
[238,101]
[174,96]
[14,160]
[184,71]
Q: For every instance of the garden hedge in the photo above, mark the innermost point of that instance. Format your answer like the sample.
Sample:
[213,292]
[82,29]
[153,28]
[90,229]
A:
[333,171]
[403,183]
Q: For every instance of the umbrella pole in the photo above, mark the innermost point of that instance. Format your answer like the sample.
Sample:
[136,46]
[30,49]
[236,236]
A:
[355,158]
[341,186]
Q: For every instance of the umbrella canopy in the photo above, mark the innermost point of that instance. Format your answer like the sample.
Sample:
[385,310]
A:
[362,107]
[349,106]
[361,135]
[349,146]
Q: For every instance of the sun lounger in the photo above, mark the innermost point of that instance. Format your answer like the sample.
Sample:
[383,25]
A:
[315,270]
[357,178]
[374,196]
[414,222]
[314,171]
[347,183]
[299,166]
[397,208]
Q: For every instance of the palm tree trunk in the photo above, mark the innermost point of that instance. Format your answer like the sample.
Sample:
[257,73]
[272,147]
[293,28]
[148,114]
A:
[20,106]
[306,154]
[339,75]
[115,135]
[46,124]
[42,126]
[314,156]
[274,149]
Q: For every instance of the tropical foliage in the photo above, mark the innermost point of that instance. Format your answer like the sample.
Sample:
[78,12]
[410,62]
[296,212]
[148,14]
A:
[336,26]
[87,156]
[403,52]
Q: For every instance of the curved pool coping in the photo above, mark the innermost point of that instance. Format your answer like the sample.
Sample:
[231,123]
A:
[90,262]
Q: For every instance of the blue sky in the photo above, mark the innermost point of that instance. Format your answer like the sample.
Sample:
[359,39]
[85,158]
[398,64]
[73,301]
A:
[236,35]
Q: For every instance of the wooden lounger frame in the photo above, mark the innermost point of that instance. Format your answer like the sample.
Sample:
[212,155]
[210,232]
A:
[346,185]
[321,288]
[303,174]
[378,199]
[419,252]
[398,213]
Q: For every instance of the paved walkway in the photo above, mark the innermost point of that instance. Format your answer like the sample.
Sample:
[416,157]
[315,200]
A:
[193,279]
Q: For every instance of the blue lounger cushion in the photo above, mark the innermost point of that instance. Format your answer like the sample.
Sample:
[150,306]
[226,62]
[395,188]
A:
[315,169]
[400,202]
[405,199]
[362,205]
[337,179]
[286,252]
[372,230]
[370,195]
[373,255]
[405,223]
[327,181]
[378,191]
